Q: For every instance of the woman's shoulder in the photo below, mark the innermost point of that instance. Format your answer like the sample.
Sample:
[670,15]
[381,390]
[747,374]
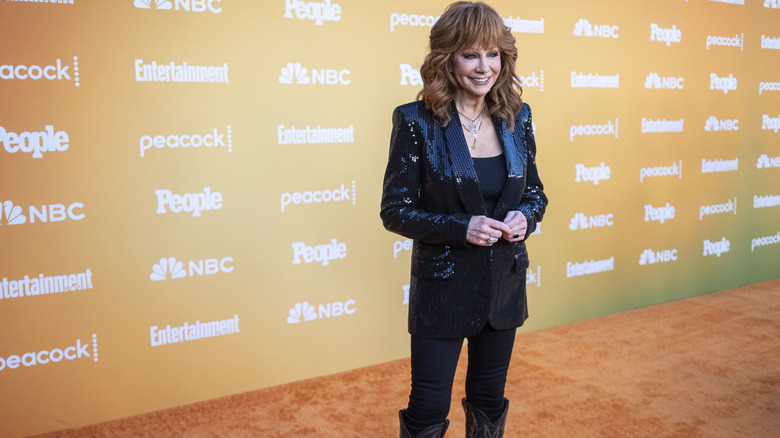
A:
[414,107]
[524,115]
[413,112]
[525,111]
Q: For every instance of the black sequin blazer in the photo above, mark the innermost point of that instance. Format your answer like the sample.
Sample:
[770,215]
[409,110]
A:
[430,193]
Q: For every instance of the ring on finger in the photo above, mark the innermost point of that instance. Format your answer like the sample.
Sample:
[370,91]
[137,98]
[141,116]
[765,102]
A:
[516,235]
[491,240]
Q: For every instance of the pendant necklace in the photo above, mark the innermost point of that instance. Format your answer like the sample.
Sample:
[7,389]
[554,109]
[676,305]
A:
[473,128]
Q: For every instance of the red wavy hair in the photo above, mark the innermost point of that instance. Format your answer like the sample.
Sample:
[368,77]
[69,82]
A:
[468,25]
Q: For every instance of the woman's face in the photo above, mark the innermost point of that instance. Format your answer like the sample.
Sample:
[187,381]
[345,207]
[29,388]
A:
[476,71]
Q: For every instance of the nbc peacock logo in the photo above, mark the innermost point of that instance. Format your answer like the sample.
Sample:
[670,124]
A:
[11,214]
[302,312]
[167,268]
[583,28]
[578,222]
[294,73]
[212,6]
[153,4]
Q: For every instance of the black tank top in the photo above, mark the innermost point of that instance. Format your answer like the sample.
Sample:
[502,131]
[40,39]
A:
[491,173]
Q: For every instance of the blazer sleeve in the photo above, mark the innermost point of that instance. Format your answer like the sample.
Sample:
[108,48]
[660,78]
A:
[533,202]
[400,208]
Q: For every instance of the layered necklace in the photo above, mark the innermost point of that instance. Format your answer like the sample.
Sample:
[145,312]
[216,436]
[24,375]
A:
[473,128]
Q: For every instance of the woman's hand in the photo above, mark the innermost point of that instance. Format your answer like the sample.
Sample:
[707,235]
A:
[517,225]
[484,231]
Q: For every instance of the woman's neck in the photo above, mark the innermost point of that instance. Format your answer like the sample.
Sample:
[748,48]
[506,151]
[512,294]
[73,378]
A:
[469,105]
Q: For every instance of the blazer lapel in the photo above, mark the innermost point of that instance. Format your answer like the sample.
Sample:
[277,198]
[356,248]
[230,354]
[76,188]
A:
[514,151]
[463,168]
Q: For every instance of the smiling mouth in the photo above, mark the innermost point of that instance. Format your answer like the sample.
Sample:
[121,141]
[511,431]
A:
[481,80]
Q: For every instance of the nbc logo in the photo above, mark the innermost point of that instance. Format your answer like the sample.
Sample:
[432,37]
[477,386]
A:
[295,73]
[302,312]
[765,162]
[170,268]
[11,214]
[650,257]
[657,82]
[584,28]
[713,124]
[167,268]
[772,4]
[582,222]
[180,5]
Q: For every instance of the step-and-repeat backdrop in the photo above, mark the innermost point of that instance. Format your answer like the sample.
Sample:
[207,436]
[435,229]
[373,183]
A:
[190,188]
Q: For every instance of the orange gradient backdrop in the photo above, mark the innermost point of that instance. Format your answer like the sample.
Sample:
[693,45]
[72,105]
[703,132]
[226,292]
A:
[287,130]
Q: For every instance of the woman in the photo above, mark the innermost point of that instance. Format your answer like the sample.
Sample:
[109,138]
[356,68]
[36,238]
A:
[461,181]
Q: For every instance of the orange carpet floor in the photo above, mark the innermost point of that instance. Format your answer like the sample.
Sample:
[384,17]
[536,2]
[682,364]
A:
[704,367]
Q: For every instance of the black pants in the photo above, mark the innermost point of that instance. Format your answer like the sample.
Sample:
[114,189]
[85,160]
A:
[433,368]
